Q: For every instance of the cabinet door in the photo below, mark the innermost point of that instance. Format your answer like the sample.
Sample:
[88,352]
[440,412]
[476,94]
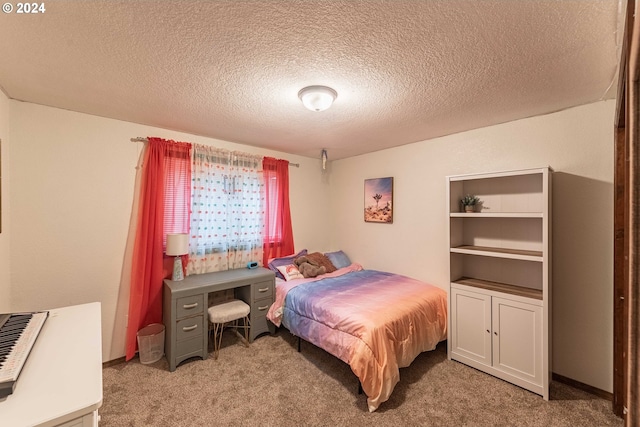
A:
[470,325]
[517,343]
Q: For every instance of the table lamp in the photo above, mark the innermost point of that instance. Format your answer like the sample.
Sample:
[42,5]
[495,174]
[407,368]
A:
[177,245]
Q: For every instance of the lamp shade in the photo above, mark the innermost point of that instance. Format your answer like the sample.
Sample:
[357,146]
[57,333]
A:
[177,244]
[317,98]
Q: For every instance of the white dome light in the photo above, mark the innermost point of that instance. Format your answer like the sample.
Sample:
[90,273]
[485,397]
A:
[317,98]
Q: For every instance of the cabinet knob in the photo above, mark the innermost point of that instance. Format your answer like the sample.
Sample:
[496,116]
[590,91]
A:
[488,331]
[495,333]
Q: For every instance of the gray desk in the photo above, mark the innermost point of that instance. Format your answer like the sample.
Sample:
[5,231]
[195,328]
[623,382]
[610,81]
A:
[185,303]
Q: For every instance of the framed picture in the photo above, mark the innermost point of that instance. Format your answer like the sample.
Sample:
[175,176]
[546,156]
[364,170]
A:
[378,200]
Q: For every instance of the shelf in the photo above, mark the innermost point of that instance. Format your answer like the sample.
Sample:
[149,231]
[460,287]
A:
[500,275]
[500,174]
[501,287]
[499,253]
[496,215]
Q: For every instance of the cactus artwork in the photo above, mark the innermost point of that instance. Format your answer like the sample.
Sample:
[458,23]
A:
[380,191]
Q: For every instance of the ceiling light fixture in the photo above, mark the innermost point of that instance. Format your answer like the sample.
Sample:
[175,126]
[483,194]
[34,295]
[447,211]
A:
[317,98]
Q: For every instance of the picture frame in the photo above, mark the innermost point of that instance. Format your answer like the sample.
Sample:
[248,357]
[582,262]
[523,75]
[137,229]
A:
[378,200]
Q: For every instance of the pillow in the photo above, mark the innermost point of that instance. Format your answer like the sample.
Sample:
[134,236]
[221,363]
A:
[278,262]
[339,259]
[321,260]
[290,272]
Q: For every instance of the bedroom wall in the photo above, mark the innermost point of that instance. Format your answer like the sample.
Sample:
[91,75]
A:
[5,283]
[72,181]
[71,191]
[577,143]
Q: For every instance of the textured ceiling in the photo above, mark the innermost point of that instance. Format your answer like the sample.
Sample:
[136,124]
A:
[405,71]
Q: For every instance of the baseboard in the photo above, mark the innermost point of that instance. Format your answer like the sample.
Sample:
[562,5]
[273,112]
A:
[113,362]
[582,386]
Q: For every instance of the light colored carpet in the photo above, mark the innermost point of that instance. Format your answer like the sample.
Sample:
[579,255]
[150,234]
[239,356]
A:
[271,384]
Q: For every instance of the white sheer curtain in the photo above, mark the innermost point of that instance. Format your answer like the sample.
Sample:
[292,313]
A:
[227,215]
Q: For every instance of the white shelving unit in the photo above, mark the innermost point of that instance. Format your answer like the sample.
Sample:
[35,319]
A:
[500,275]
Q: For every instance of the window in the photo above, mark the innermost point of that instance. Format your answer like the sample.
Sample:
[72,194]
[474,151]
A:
[227,210]
[236,208]
[177,186]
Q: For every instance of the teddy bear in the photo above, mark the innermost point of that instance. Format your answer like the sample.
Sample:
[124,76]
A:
[308,267]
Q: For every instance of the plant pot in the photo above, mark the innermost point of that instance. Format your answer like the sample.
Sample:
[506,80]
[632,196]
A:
[468,208]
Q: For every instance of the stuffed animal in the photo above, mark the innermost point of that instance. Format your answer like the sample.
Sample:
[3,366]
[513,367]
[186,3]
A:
[308,267]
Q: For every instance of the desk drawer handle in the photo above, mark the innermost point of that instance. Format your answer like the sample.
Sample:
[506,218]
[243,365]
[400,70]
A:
[189,328]
[190,306]
[264,307]
[263,289]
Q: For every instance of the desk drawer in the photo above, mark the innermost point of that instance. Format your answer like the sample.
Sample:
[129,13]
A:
[260,308]
[189,328]
[263,290]
[190,347]
[259,311]
[188,306]
[258,326]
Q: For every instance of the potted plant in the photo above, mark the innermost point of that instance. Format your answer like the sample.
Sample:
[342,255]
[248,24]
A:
[469,202]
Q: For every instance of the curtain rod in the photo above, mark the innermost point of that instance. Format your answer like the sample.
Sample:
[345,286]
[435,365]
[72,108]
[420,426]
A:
[142,139]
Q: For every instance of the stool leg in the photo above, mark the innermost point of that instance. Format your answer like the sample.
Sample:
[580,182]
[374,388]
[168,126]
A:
[247,325]
[217,340]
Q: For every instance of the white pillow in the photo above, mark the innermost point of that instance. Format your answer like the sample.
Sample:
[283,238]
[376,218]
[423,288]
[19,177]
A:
[290,272]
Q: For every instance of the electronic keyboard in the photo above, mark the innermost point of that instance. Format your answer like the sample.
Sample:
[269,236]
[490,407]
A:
[18,334]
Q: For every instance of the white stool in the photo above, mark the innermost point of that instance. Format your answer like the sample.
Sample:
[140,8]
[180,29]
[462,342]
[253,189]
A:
[221,315]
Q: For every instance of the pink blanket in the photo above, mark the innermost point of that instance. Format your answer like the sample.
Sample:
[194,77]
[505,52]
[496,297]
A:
[376,322]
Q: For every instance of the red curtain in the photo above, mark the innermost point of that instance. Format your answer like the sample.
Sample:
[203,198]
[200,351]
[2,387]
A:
[163,208]
[278,236]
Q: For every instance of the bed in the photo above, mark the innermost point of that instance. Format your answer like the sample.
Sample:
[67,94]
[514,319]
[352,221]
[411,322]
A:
[374,321]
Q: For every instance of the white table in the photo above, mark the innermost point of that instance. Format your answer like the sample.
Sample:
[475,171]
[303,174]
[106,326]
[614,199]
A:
[61,381]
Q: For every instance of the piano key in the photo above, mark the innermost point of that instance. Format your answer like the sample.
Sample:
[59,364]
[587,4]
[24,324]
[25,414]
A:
[18,335]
